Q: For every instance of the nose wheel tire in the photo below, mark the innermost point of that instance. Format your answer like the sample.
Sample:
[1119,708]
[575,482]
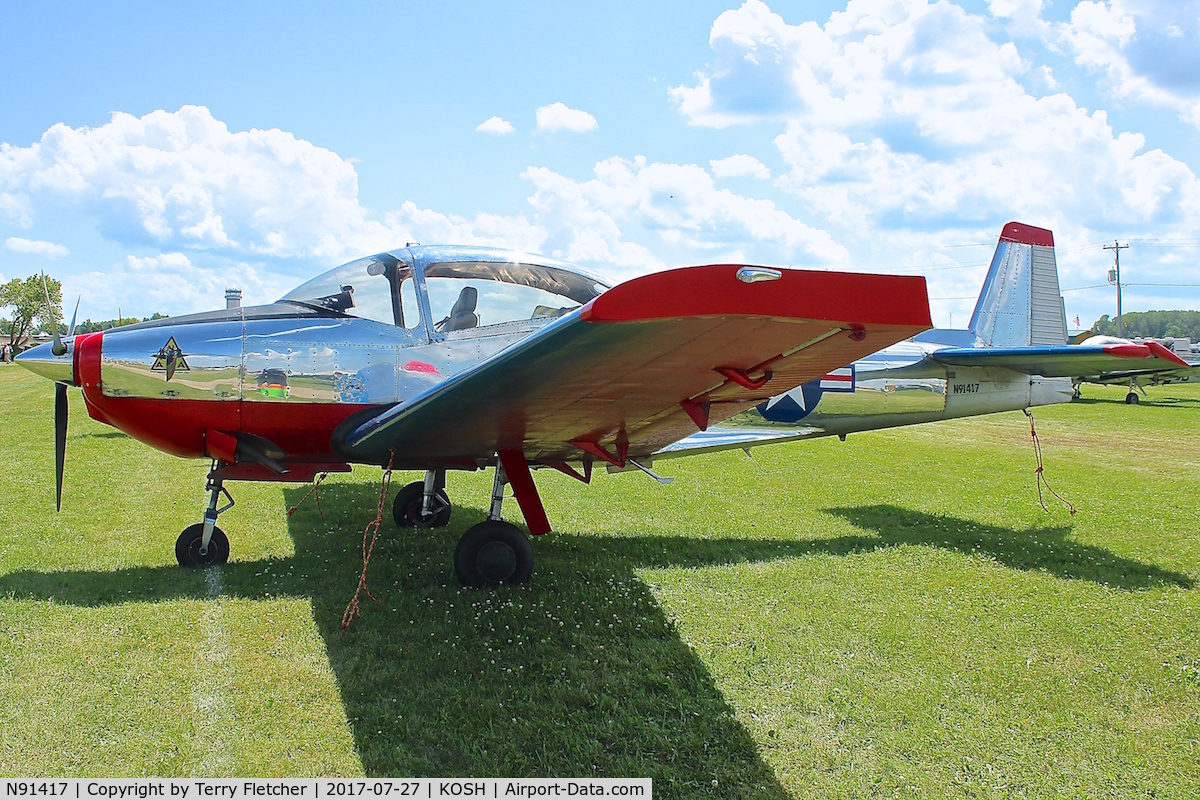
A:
[188,551]
[406,509]
[1131,399]
[493,552]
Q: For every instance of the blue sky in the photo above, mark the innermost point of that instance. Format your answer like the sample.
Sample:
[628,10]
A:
[154,154]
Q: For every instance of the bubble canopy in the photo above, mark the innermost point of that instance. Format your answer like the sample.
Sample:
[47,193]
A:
[514,285]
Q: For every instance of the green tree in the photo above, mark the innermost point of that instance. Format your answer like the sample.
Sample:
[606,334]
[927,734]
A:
[1155,324]
[90,326]
[26,300]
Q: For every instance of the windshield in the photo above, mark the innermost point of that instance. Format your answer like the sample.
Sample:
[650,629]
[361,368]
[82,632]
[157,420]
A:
[359,289]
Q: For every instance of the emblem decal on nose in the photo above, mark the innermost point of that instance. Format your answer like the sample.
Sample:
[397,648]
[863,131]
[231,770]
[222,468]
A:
[170,359]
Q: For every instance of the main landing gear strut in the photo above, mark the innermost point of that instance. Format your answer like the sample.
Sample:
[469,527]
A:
[494,551]
[204,544]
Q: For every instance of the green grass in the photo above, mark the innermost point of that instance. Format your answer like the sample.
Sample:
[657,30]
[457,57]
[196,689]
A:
[890,616]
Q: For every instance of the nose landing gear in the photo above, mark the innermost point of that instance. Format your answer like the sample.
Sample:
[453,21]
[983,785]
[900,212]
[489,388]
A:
[204,544]
[423,504]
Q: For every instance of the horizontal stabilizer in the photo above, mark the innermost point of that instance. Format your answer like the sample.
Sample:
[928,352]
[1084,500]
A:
[1067,361]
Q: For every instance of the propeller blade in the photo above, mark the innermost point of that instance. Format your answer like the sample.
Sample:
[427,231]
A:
[58,348]
[60,440]
[71,331]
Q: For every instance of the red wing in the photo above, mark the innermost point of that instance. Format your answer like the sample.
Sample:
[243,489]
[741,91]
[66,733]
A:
[646,362]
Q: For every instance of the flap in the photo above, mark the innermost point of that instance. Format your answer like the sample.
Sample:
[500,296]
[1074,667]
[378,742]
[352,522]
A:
[647,363]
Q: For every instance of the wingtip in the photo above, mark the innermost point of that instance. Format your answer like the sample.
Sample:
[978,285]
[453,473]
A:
[1164,352]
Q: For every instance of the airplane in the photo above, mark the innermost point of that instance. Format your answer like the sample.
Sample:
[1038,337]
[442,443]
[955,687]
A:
[1136,379]
[1013,355]
[441,358]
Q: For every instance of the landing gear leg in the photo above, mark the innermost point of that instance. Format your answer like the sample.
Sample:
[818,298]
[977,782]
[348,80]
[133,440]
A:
[204,544]
[499,481]
[494,551]
[1134,388]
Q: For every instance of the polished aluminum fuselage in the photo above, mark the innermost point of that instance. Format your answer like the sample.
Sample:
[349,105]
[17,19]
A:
[901,385]
[294,360]
[290,373]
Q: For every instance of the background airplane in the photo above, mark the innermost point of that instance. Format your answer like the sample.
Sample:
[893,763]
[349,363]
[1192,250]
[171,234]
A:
[445,358]
[1013,355]
[1138,379]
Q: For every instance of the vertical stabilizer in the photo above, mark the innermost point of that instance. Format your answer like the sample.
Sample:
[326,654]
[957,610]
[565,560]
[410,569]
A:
[1020,304]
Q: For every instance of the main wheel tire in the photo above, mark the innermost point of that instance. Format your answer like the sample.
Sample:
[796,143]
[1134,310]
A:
[187,547]
[406,508]
[493,552]
[1131,399]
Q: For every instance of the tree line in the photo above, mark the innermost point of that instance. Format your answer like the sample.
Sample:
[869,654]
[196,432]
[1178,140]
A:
[27,310]
[88,326]
[1152,324]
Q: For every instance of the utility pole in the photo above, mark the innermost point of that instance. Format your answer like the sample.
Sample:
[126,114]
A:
[1114,276]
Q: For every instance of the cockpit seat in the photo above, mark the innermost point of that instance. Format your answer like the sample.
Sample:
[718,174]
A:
[462,316]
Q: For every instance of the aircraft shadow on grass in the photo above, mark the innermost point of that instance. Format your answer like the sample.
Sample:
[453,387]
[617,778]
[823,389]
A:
[578,673]
[1152,401]
[1044,549]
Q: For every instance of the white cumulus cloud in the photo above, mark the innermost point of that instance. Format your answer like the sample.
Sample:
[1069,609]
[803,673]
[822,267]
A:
[738,166]
[558,117]
[495,125]
[673,209]
[169,283]
[905,123]
[490,230]
[1144,50]
[183,180]
[216,202]
[906,114]
[36,247]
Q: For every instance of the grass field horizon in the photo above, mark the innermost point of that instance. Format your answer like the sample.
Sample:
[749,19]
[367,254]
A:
[889,616]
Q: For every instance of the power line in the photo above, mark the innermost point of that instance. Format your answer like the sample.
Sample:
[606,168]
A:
[1105,286]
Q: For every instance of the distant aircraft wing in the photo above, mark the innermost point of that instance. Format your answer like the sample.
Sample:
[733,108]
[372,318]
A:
[648,363]
[730,437]
[1068,361]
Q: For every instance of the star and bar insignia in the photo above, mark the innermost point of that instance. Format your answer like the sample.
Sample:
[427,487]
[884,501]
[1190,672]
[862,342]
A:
[170,359]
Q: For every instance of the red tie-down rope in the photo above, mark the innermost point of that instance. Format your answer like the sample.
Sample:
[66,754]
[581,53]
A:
[1041,475]
[311,490]
[370,532]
